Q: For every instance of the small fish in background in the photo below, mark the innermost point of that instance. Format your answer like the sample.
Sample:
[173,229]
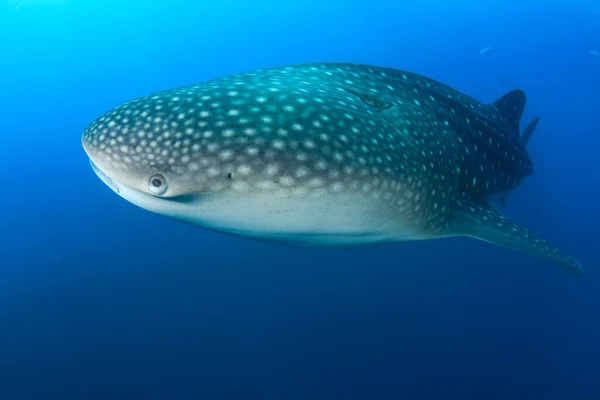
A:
[594,53]
[485,50]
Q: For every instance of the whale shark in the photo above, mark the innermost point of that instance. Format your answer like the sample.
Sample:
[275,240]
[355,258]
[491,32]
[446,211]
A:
[323,154]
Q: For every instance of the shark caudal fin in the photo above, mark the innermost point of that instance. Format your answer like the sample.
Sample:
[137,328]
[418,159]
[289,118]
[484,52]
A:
[525,136]
[483,222]
[528,131]
[508,110]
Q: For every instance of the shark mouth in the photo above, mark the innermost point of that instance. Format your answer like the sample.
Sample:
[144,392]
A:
[105,178]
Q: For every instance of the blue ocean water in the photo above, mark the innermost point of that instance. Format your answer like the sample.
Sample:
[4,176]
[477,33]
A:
[103,300]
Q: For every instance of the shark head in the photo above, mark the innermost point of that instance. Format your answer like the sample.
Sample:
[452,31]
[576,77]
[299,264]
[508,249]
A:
[196,154]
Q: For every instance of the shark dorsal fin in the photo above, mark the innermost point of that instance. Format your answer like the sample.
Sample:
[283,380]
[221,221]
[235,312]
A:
[508,110]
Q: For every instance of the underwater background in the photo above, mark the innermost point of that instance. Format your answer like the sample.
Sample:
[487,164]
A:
[100,299]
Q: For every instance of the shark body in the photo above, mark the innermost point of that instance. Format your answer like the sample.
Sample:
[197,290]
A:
[322,154]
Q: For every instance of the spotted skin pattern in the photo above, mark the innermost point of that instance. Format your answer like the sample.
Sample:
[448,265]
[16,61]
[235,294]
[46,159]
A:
[326,154]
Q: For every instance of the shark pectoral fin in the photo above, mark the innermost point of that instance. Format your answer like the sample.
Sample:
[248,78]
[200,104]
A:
[483,222]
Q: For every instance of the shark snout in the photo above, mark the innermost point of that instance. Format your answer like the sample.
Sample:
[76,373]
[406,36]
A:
[105,178]
[94,156]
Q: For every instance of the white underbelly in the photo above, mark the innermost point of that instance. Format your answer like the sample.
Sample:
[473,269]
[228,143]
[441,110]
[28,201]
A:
[313,221]
[318,219]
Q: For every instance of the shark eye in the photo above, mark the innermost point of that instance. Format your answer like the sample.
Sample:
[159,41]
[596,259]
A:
[157,184]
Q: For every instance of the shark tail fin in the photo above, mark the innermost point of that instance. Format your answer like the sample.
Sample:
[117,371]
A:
[525,136]
[528,131]
[483,222]
[509,109]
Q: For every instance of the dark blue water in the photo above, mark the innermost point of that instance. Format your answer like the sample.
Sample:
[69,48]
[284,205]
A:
[102,300]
